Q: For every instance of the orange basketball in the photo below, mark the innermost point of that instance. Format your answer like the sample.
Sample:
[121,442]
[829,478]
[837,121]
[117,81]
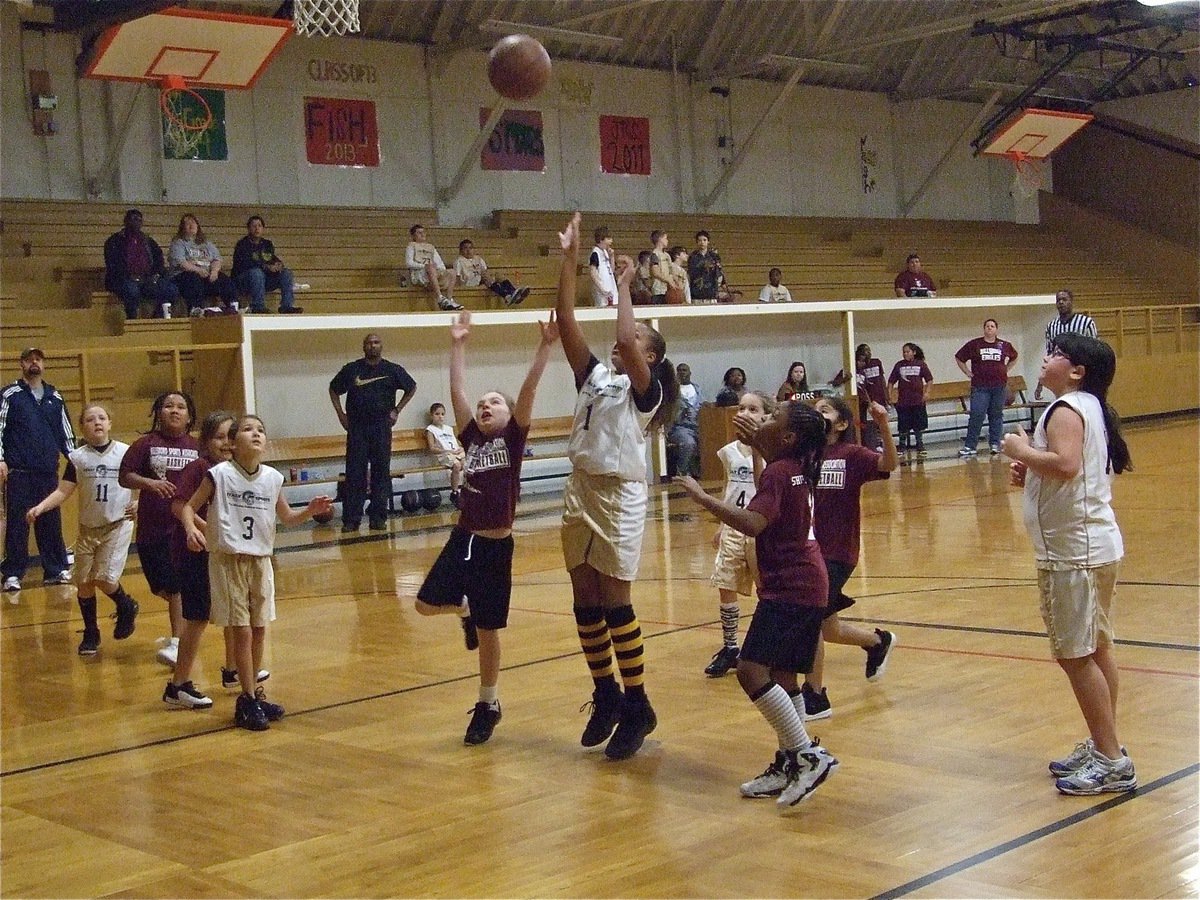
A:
[518,67]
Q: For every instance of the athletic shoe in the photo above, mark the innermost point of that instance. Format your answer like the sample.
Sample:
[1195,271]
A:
[516,297]
[168,651]
[378,525]
[484,717]
[273,711]
[350,527]
[966,452]
[637,720]
[877,656]
[470,633]
[922,453]
[816,706]
[606,710]
[12,583]
[196,313]
[229,678]
[63,577]
[291,310]
[1099,775]
[995,448]
[126,615]
[771,782]
[186,696]
[806,771]
[1076,760]
[90,645]
[447,303]
[249,715]
[723,660]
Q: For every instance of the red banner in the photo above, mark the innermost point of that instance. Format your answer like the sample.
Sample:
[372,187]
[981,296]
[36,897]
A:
[515,144]
[625,145]
[341,132]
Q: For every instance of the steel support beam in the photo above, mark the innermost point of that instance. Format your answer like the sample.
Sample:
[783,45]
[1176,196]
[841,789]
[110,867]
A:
[907,206]
[471,157]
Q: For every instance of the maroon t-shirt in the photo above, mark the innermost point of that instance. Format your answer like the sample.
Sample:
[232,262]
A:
[907,281]
[189,480]
[911,378]
[491,476]
[157,456]
[844,470]
[989,361]
[790,567]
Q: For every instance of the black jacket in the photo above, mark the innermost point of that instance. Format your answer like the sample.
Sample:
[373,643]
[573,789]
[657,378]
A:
[115,269]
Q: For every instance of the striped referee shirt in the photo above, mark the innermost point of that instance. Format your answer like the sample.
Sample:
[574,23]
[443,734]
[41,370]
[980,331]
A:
[1078,323]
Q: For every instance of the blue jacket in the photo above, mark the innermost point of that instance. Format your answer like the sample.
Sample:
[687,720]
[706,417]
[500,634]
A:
[32,433]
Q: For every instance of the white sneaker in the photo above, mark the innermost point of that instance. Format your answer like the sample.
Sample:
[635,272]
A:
[1099,775]
[168,651]
[806,771]
[12,583]
[771,782]
[448,304]
[186,696]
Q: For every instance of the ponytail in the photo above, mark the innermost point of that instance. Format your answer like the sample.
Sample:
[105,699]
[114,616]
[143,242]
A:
[1119,459]
[1099,368]
[669,406]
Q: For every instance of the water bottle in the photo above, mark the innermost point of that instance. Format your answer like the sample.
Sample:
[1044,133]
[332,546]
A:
[166,310]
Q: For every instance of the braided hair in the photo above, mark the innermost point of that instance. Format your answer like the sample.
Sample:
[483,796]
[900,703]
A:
[156,409]
[810,428]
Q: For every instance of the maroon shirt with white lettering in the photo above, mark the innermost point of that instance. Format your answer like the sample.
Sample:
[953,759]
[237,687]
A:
[844,470]
[491,476]
[157,456]
[790,567]
[989,361]
[910,378]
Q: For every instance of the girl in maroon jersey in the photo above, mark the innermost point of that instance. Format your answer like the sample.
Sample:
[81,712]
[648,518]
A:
[845,468]
[473,575]
[911,379]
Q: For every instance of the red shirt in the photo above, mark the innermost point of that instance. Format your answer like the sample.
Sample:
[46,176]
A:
[911,377]
[790,567]
[137,255]
[989,361]
[844,470]
[907,281]
[491,476]
[189,480]
[156,456]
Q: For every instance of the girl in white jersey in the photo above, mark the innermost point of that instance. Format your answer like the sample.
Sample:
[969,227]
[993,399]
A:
[106,513]
[1077,545]
[246,497]
[734,567]
[605,499]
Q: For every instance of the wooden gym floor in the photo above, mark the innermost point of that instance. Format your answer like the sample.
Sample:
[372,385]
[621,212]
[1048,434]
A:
[365,788]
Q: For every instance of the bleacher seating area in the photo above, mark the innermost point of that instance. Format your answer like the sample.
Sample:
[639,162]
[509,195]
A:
[53,295]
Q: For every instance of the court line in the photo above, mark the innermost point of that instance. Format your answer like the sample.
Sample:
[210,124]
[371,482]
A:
[1037,834]
[1142,670]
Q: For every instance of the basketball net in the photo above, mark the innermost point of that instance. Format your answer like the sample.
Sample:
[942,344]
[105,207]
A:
[1030,174]
[326,17]
[183,131]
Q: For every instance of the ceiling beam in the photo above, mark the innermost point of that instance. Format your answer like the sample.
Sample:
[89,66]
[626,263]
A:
[702,65]
[574,21]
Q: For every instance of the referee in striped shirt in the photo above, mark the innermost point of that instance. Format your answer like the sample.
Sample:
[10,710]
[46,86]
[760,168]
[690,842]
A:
[1067,321]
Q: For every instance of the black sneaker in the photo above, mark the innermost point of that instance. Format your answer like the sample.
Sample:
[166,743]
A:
[483,722]
[186,696]
[637,721]
[877,656]
[249,715]
[127,610]
[350,527]
[723,660]
[90,645]
[606,710]
[378,525]
[273,711]
[470,634]
[816,706]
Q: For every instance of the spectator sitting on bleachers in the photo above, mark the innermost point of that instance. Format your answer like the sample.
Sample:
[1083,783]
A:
[426,268]
[704,270]
[733,387]
[196,269]
[795,386]
[472,271]
[256,270]
[134,269]
[443,444]
[774,291]
[914,281]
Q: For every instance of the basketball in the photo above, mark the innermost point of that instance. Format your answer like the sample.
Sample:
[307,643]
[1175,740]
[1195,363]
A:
[410,501]
[518,67]
[323,518]
[431,499]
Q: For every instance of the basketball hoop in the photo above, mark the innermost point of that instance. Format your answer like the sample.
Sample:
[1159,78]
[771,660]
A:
[326,17]
[182,130]
[1030,174]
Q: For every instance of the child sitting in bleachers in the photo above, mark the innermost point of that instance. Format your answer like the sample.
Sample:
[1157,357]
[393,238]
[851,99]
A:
[443,443]
[472,271]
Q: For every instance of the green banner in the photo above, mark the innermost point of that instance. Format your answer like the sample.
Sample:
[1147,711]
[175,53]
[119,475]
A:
[183,134]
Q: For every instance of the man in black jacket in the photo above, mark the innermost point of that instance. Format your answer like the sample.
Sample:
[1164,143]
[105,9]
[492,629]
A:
[134,269]
[34,430]
[257,269]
